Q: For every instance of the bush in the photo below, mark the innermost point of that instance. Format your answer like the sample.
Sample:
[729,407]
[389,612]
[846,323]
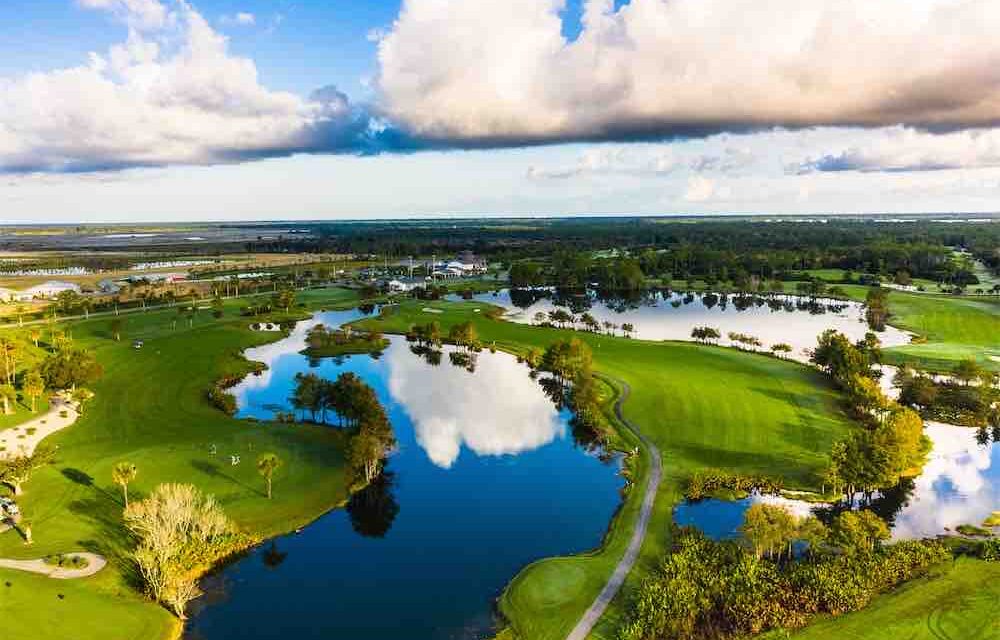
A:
[706,589]
[703,484]
[989,550]
[222,400]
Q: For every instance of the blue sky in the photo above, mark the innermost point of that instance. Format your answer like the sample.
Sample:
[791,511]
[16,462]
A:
[297,45]
[164,109]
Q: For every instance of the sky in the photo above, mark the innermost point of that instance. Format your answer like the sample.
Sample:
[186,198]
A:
[161,110]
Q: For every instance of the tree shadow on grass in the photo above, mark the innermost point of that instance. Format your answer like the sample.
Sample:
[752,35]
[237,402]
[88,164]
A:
[214,471]
[84,479]
[111,540]
[78,477]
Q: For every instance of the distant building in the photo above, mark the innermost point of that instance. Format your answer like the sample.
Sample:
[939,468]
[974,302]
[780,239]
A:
[46,290]
[108,287]
[469,263]
[158,277]
[405,284]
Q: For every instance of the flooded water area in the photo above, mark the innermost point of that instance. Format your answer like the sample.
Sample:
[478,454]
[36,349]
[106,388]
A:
[486,479]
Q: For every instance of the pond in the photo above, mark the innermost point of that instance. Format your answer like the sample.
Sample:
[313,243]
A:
[960,484]
[487,478]
[670,315]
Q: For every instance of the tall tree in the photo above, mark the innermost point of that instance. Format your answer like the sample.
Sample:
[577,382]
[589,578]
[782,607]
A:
[267,464]
[8,396]
[123,474]
[34,386]
[14,472]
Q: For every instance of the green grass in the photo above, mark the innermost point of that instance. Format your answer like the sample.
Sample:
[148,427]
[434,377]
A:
[151,409]
[956,601]
[955,328]
[91,609]
[702,406]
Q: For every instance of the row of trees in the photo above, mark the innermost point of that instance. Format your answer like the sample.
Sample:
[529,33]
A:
[573,384]
[891,443]
[358,409]
[970,397]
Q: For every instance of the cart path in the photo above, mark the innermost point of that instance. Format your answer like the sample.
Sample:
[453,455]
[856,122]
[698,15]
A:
[25,437]
[617,579]
[94,564]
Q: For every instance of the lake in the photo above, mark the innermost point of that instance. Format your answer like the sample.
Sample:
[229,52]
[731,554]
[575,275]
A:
[670,315]
[487,478]
[960,484]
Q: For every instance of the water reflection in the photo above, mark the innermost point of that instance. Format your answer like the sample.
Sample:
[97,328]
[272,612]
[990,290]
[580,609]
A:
[665,315]
[373,509]
[498,411]
[486,480]
[960,484]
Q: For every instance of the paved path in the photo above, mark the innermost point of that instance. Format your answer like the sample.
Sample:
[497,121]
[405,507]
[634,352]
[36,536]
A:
[95,564]
[18,441]
[614,584]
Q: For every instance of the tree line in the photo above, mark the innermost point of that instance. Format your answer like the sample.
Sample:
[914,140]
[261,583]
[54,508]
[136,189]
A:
[890,444]
[358,409]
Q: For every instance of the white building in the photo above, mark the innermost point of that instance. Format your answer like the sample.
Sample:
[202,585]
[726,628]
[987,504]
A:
[405,284]
[46,290]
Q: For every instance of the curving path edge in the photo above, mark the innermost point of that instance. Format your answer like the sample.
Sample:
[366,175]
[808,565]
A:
[627,561]
[94,564]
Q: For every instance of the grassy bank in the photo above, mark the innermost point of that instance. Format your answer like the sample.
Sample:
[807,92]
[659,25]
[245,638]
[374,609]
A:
[151,409]
[954,328]
[34,606]
[703,406]
[957,600]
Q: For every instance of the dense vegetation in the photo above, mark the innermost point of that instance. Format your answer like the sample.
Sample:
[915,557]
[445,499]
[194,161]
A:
[706,589]
[890,444]
[969,397]
[359,411]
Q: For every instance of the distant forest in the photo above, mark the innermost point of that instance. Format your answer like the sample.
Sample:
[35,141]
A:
[560,251]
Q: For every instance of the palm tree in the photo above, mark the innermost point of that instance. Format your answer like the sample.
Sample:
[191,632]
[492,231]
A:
[8,396]
[7,349]
[34,386]
[123,474]
[267,464]
[116,328]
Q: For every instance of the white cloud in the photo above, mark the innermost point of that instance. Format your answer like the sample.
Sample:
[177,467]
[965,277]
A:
[650,160]
[905,149]
[139,14]
[239,19]
[171,93]
[699,189]
[654,67]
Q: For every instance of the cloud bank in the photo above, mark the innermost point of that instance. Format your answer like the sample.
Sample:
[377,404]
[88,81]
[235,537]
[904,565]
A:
[901,149]
[921,78]
[660,68]
[172,93]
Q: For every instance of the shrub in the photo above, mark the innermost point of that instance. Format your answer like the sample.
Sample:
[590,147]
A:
[989,550]
[222,400]
[706,589]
